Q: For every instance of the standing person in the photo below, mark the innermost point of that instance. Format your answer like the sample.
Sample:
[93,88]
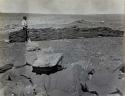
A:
[25,27]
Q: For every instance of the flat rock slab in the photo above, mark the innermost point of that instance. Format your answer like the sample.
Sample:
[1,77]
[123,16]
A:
[41,59]
[48,60]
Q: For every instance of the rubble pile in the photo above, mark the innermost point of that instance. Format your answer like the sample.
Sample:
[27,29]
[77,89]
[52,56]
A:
[72,81]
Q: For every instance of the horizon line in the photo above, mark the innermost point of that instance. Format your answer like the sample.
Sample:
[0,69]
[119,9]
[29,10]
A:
[62,13]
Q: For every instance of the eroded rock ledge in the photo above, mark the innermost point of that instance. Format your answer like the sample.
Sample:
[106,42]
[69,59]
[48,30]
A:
[72,32]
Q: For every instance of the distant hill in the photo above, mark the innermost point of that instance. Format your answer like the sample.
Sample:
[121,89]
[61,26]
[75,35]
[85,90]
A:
[116,25]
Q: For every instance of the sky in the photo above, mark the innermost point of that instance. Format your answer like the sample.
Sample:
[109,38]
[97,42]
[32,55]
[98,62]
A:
[63,6]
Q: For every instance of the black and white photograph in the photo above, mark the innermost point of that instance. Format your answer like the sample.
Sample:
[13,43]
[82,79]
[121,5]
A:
[62,48]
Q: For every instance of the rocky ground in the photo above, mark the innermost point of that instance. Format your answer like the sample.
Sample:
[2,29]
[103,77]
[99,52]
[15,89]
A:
[72,32]
[92,67]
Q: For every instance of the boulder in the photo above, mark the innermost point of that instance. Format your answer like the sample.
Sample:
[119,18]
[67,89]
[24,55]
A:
[65,81]
[103,82]
[61,83]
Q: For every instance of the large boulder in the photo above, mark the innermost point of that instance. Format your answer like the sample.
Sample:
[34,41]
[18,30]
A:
[103,82]
[66,82]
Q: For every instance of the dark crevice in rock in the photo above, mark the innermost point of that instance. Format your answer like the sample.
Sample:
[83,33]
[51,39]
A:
[117,92]
[122,69]
[30,80]
[84,88]
[34,91]
[47,70]
[35,49]
[91,72]
[9,78]
[6,68]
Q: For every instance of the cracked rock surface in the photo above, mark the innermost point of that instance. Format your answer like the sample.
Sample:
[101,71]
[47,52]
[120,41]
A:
[92,67]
